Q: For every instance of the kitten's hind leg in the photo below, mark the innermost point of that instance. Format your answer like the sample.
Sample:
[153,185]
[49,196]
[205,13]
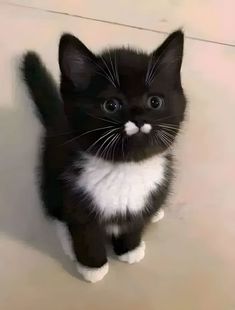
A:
[129,247]
[158,216]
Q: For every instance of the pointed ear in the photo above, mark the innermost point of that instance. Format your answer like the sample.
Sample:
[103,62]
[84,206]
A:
[75,61]
[170,53]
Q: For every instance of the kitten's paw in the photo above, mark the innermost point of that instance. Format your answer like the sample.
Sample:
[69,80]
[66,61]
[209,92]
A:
[93,274]
[134,256]
[65,240]
[158,216]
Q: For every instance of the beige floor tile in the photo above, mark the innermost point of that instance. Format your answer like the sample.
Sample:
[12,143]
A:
[190,254]
[206,19]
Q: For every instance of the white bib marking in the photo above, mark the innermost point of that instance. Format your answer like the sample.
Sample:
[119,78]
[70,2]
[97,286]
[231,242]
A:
[120,187]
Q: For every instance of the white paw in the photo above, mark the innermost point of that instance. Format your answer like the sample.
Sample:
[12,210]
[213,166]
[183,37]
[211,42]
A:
[65,240]
[158,216]
[93,274]
[135,255]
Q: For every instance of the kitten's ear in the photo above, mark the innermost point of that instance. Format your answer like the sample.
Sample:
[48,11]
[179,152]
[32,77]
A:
[170,53]
[75,61]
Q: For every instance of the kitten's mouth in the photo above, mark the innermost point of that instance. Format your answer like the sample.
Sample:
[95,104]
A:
[131,128]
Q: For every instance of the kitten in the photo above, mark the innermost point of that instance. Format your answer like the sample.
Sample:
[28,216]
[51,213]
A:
[106,162]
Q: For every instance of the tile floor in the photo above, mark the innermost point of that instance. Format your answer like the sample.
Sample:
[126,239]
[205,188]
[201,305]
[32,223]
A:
[190,259]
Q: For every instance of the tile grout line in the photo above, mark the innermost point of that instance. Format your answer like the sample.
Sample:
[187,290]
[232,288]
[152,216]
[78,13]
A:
[116,23]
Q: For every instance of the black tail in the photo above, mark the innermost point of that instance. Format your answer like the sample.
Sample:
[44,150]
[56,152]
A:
[42,88]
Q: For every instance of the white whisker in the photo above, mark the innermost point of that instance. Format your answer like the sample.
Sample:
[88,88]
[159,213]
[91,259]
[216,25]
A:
[104,119]
[87,132]
[156,139]
[110,73]
[166,138]
[157,65]
[123,154]
[107,77]
[162,139]
[115,145]
[111,145]
[169,131]
[103,144]
[148,69]
[113,70]
[103,73]
[170,126]
[116,69]
[102,137]
[170,135]
[166,117]
[153,71]
[106,149]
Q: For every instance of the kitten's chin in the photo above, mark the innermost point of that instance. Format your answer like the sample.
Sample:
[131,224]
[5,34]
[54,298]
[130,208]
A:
[132,155]
[144,155]
[139,150]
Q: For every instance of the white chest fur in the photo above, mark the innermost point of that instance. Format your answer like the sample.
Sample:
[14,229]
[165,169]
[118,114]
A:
[120,187]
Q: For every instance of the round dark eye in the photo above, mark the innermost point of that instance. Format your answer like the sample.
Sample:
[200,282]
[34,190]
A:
[155,102]
[111,105]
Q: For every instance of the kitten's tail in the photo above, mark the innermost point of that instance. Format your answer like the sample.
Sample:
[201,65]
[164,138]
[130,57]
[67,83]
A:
[43,89]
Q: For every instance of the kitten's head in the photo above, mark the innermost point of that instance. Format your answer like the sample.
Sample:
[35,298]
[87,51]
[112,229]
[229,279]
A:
[123,104]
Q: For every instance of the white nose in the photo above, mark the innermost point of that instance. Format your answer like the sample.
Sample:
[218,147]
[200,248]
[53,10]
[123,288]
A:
[131,128]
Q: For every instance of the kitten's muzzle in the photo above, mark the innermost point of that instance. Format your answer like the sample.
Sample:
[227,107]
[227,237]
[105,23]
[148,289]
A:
[132,128]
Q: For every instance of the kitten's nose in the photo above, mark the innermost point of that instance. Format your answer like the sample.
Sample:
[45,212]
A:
[131,128]
[137,116]
[138,122]
[143,125]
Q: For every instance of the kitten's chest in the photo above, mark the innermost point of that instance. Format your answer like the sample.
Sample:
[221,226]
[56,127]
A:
[120,187]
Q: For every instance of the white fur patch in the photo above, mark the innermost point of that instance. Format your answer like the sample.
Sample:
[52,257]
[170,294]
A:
[89,274]
[146,128]
[65,240]
[158,216]
[135,255]
[112,229]
[131,128]
[120,187]
[93,274]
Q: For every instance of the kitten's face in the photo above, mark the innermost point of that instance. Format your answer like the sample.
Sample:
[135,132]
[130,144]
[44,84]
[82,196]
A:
[123,105]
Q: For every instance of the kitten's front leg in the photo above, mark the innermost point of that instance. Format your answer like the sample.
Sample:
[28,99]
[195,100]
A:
[89,247]
[129,247]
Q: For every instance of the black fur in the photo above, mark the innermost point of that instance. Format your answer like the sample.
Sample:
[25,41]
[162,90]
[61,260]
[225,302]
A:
[55,151]
[85,86]
[42,88]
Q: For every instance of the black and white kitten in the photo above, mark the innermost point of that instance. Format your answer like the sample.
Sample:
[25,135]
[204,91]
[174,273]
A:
[106,162]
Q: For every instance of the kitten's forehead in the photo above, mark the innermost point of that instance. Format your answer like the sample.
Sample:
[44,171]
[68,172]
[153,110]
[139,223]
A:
[131,67]
[127,59]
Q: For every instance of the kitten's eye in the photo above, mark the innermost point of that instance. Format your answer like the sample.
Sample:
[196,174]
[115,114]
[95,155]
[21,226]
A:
[111,105]
[155,102]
